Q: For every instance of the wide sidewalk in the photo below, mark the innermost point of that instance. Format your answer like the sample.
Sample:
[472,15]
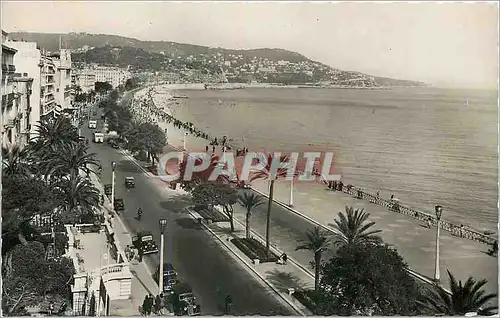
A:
[142,280]
[281,279]
[413,240]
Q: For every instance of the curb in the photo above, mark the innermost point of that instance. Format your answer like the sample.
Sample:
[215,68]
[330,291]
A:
[410,271]
[291,304]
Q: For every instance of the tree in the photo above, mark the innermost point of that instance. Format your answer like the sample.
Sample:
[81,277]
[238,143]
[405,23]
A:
[102,87]
[367,279]
[352,229]
[71,159]
[30,275]
[267,174]
[131,83]
[15,161]
[78,197]
[198,177]
[216,193]
[317,242]
[146,137]
[249,202]
[464,298]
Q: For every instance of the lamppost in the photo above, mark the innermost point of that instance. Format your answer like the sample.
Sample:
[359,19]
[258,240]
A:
[163,225]
[113,167]
[439,211]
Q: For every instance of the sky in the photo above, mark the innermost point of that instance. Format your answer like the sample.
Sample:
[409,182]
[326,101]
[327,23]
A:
[450,44]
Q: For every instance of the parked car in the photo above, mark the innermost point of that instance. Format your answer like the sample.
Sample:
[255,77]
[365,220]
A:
[129,182]
[144,241]
[170,278]
[119,205]
[108,188]
[183,301]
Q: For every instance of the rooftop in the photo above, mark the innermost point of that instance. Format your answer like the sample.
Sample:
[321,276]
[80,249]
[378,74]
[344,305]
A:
[90,251]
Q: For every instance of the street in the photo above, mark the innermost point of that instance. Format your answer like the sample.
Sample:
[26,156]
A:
[196,255]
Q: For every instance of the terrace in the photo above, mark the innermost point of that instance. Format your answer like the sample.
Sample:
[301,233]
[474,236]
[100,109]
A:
[99,261]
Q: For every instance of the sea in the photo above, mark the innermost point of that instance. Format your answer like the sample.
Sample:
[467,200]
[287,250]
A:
[427,146]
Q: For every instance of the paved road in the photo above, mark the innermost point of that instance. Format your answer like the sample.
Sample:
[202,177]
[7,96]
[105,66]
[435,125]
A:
[199,259]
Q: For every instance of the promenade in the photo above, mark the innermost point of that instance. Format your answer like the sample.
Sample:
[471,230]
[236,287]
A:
[315,205]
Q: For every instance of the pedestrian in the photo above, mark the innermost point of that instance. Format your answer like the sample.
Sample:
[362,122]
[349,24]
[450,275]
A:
[162,303]
[150,304]
[213,148]
[145,306]
[392,197]
[157,304]
[285,258]
[228,303]
[206,148]
[429,223]
[140,254]
[127,252]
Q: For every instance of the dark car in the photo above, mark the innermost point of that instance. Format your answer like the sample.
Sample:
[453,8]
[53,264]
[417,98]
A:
[170,278]
[114,144]
[119,205]
[144,241]
[108,188]
[129,182]
[183,301]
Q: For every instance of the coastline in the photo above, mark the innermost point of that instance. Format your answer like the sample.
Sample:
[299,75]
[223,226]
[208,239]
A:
[231,86]
[176,135]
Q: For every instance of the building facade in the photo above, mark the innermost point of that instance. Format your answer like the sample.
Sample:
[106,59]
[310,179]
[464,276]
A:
[85,79]
[114,75]
[27,60]
[64,90]
[16,93]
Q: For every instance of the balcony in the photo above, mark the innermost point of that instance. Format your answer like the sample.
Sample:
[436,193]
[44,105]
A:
[10,124]
[8,68]
[8,100]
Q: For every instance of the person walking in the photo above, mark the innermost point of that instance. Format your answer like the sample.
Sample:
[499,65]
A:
[285,258]
[150,304]
[228,303]
[145,306]
[157,304]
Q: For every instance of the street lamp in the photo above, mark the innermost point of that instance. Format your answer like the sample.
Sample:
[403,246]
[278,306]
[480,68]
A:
[163,225]
[113,167]
[439,211]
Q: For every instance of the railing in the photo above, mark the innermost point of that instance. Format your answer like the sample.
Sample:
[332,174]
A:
[396,206]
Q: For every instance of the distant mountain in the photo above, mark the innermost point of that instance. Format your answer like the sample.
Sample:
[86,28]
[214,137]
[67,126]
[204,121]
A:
[164,55]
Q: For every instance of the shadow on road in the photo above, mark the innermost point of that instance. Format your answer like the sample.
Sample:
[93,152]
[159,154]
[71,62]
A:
[127,166]
[188,224]
[283,280]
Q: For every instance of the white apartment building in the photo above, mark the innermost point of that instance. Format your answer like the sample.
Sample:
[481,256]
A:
[85,79]
[16,92]
[64,90]
[114,75]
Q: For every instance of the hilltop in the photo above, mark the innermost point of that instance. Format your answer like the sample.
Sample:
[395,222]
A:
[202,63]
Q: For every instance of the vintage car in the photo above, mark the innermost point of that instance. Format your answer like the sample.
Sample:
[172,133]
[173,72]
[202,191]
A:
[144,242]
[113,143]
[119,205]
[129,182]
[183,301]
[108,188]
[170,278]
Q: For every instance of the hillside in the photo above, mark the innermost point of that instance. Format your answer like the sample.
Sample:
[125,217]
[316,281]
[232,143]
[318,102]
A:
[201,63]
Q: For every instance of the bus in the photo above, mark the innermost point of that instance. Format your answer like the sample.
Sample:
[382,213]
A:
[98,137]
[92,124]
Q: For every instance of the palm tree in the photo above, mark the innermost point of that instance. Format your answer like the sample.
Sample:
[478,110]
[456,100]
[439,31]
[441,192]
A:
[78,197]
[56,131]
[267,174]
[316,241]
[353,229]
[15,161]
[249,202]
[71,159]
[465,298]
